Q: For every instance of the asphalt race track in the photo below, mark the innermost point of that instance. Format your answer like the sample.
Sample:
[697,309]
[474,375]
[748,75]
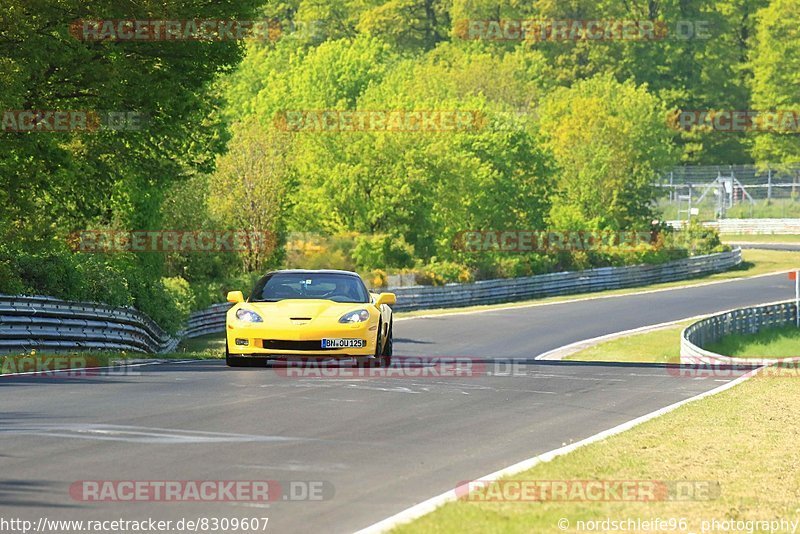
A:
[379,444]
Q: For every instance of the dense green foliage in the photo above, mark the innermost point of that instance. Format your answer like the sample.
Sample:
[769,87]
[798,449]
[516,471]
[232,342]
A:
[54,183]
[567,135]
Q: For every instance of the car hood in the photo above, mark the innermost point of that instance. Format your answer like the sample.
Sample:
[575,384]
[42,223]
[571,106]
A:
[303,309]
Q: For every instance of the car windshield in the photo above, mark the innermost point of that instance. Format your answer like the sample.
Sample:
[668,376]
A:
[328,286]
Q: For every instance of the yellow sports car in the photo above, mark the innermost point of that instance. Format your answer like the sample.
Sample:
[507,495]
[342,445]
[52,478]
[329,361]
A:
[298,314]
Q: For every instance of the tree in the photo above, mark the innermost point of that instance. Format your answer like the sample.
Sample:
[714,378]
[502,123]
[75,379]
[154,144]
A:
[610,140]
[776,83]
[248,191]
[414,24]
[54,183]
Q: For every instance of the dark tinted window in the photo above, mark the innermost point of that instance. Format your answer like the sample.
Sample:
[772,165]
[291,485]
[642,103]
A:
[335,287]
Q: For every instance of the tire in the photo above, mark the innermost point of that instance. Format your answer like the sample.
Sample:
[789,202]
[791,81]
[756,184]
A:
[367,361]
[238,361]
[378,360]
[387,348]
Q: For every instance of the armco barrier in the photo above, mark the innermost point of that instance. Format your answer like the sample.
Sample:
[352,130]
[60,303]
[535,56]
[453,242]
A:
[52,324]
[47,323]
[750,226]
[743,321]
[547,285]
[207,321]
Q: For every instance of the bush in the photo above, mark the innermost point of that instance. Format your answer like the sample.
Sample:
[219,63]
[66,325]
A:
[313,251]
[377,278]
[438,273]
[181,294]
[382,252]
[102,281]
[696,239]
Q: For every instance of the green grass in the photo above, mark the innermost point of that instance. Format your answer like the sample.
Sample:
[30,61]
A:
[207,347]
[783,342]
[776,209]
[656,346]
[760,238]
[709,440]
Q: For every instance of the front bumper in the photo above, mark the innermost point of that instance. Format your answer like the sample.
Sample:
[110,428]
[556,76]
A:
[298,342]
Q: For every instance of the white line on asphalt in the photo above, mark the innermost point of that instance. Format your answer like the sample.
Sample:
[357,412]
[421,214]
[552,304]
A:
[428,506]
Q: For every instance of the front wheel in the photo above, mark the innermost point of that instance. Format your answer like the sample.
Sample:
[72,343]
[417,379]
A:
[386,354]
[239,361]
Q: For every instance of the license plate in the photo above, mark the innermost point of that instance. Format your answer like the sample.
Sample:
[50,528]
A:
[343,343]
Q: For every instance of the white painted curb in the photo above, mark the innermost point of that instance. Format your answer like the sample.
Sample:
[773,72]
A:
[425,507]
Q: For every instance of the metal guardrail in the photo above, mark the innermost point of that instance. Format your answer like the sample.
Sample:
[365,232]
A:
[47,323]
[208,321]
[52,324]
[743,321]
[749,226]
[547,285]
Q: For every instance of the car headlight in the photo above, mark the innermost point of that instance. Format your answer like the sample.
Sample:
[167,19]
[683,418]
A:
[358,316]
[248,316]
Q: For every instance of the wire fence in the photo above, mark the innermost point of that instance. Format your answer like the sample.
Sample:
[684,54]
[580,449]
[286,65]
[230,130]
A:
[729,191]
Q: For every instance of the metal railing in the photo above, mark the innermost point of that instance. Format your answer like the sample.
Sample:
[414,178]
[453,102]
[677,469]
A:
[697,336]
[51,324]
[548,285]
[208,321]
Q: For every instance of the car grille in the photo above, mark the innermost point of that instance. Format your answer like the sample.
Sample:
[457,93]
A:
[279,344]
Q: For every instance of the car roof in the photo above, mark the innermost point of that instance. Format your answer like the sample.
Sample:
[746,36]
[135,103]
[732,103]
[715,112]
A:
[313,271]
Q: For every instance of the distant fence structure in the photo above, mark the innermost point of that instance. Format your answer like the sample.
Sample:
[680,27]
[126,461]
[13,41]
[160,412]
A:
[697,336]
[46,323]
[721,187]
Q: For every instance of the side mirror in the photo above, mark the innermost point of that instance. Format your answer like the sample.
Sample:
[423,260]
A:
[235,297]
[385,298]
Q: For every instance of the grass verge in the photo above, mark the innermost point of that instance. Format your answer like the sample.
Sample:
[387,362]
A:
[663,346]
[759,238]
[706,441]
[656,346]
[783,342]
